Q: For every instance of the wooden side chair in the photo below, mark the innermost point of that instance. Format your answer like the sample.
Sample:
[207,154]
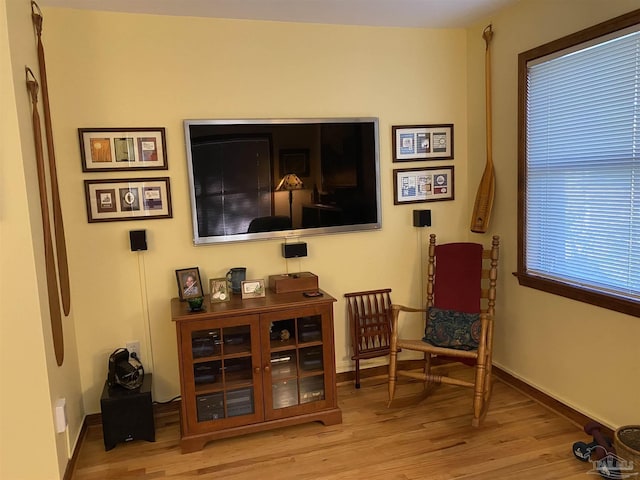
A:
[370,322]
[461,296]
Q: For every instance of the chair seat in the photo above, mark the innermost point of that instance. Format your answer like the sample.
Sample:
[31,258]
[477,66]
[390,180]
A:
[422,346]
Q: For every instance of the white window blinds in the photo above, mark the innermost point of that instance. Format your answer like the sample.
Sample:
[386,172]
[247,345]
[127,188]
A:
[582,200]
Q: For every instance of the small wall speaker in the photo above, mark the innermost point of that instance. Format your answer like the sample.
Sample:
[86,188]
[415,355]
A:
[291,250]
[138,239]
[422,218]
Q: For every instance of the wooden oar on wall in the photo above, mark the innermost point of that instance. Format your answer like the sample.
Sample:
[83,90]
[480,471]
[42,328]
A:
[486,190]
[50,265]
[61,244]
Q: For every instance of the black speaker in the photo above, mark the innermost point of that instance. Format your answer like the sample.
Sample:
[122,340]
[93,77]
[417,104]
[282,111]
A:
[422,218]
[127,414]
[290,250]
[138,239]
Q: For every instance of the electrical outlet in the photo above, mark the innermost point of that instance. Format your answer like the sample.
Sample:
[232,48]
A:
[134,347]
[61,415]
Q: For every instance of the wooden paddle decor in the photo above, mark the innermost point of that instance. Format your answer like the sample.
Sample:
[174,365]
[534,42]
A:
[52,279]
[61,244]
[486,189]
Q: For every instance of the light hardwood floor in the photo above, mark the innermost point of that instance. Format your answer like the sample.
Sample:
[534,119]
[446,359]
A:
[432,439]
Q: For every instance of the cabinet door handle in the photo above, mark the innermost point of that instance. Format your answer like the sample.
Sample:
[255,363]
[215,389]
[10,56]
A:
[267,368]
[256,370]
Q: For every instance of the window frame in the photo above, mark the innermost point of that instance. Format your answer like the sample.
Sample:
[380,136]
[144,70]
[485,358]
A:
[588,295]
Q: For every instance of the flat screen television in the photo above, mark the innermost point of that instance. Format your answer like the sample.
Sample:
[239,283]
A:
[259,179]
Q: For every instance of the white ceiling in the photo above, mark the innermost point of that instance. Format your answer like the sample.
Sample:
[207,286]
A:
[398,13]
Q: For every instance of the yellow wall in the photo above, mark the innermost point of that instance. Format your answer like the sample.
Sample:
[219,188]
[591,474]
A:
[585,356]
[30,381]
[120,70]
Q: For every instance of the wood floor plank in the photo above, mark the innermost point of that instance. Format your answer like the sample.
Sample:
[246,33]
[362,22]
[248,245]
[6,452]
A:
[431,439]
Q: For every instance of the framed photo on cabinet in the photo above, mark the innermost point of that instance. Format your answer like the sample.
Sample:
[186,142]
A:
[219,290]
[189,284]
[253,289]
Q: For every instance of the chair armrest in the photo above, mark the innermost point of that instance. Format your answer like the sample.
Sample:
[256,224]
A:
[402,308]
[395,313]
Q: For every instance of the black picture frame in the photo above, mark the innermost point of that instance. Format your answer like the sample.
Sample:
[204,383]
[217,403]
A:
[110,200]
[426,184]
[422,142]
[187,289]
[120,149]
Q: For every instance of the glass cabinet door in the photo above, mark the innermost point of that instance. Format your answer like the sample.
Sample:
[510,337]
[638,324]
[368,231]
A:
[223,373]
[296,366]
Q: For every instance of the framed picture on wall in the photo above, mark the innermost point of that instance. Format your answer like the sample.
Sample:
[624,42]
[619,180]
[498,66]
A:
[107,149]
[422,142]
[111,200]
[417,185]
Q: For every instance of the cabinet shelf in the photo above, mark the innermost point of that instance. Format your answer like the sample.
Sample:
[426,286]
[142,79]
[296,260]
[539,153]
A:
[208,388]
[235,378]
[206,359]
[236,351]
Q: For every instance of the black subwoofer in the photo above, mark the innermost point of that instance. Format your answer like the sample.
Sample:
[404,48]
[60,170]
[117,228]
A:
[127,414]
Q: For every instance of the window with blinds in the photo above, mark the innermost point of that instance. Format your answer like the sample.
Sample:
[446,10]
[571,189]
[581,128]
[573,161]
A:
[579,208]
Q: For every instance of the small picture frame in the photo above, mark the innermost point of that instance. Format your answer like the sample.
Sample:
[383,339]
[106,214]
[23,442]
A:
[252,289]
[422,142]
[110,149]
[189,284]
[294,160]
[417,185]
[110,200]
[219,290]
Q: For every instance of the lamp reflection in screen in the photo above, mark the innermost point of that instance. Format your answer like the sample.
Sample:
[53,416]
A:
[290,182]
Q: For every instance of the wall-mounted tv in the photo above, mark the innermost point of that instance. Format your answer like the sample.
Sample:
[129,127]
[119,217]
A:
[258,179]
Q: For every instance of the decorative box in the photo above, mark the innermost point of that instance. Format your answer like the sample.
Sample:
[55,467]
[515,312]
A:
[293,282]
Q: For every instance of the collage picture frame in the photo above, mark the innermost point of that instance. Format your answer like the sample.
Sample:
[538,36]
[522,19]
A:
[128,199]
[418,185]
[422,142]
[117,149]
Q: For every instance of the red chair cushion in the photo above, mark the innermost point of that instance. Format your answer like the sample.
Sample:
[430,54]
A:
[458,276]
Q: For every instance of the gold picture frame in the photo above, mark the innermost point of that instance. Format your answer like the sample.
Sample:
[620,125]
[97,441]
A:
[219,290]
[252,289]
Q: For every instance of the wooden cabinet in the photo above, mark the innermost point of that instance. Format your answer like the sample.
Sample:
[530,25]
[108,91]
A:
[254,364]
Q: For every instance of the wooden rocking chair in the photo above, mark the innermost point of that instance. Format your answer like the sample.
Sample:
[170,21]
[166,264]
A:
[461,295]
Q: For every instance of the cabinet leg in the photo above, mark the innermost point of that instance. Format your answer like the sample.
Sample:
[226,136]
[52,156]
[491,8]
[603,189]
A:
[192,445]
[332,418]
